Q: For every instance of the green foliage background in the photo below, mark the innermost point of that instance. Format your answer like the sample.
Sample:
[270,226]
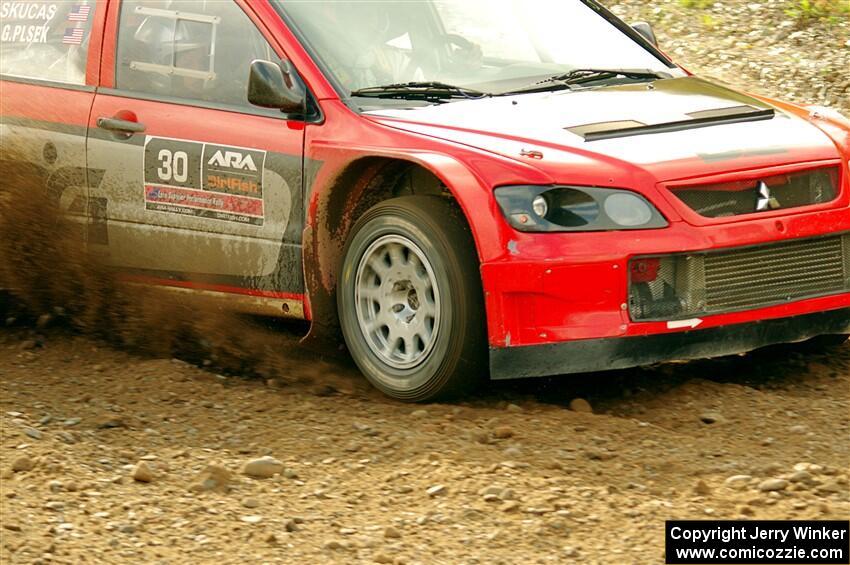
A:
[799,9]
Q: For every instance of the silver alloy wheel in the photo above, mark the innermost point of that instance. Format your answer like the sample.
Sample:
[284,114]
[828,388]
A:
[397,301]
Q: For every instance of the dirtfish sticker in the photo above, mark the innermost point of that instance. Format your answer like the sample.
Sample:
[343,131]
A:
[32,21]
[234,170]
[218,182]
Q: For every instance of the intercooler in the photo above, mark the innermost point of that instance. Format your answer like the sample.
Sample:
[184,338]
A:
[688,285]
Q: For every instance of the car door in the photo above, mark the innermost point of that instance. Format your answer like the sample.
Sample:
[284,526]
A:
[201,189]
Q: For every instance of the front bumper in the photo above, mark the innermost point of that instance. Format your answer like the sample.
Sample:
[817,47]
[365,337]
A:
[552,288]
[592,355]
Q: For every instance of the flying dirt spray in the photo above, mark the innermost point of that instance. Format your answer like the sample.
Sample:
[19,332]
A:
[46,268]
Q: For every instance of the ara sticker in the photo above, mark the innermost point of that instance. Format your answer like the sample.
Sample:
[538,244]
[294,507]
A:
[205,180]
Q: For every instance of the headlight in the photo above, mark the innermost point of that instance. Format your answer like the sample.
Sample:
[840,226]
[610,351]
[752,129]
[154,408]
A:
[540,206]
[570,208]
[628,210]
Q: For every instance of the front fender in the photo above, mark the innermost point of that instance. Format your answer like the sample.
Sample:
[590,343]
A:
[339,177]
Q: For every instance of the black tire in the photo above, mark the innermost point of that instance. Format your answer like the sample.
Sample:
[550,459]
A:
[455,360]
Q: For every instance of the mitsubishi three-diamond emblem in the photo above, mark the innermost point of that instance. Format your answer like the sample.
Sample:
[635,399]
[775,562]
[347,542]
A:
[766,201]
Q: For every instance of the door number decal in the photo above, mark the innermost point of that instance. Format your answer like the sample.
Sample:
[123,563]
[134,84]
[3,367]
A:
[205,180]
[175,166]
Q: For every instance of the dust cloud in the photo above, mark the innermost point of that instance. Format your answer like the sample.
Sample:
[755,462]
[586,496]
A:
[50,275]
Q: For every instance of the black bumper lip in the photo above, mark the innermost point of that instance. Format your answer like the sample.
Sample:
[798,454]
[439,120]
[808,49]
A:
[594,355]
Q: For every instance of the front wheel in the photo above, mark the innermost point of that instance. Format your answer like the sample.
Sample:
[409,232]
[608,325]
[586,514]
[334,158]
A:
[410,301]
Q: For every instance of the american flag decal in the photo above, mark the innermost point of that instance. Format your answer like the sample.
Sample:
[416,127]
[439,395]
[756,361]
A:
[79,13]
[73,36]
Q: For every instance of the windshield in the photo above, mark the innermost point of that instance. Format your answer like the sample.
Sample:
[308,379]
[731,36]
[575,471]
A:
[488,45]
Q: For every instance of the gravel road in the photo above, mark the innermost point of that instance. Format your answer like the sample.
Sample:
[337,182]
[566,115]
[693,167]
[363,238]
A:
[257,453]
[769,47]
[112,458]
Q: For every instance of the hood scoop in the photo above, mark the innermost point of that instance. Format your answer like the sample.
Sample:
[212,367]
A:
[701,119]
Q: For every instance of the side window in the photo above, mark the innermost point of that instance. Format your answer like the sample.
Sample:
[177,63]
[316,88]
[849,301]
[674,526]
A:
[195,50]
[46,40]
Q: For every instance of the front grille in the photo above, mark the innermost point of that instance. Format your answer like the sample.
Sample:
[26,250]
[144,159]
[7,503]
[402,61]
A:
[753,195]
[685,286]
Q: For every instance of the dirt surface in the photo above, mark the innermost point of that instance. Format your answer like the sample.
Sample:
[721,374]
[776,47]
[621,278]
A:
[108,456]
[777,48]
[515,476]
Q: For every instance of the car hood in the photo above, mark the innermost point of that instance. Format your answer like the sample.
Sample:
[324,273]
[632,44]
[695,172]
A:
[700,130]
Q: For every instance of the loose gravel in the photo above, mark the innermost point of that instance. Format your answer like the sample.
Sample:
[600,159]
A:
[144,460]
[761,46]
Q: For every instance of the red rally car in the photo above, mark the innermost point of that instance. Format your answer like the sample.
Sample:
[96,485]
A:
[460,188]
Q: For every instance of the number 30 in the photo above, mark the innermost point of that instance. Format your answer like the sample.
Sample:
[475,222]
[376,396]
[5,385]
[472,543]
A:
[173,165]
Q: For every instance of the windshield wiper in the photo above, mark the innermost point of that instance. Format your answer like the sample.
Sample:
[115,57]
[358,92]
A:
[426,90]
[564,81]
